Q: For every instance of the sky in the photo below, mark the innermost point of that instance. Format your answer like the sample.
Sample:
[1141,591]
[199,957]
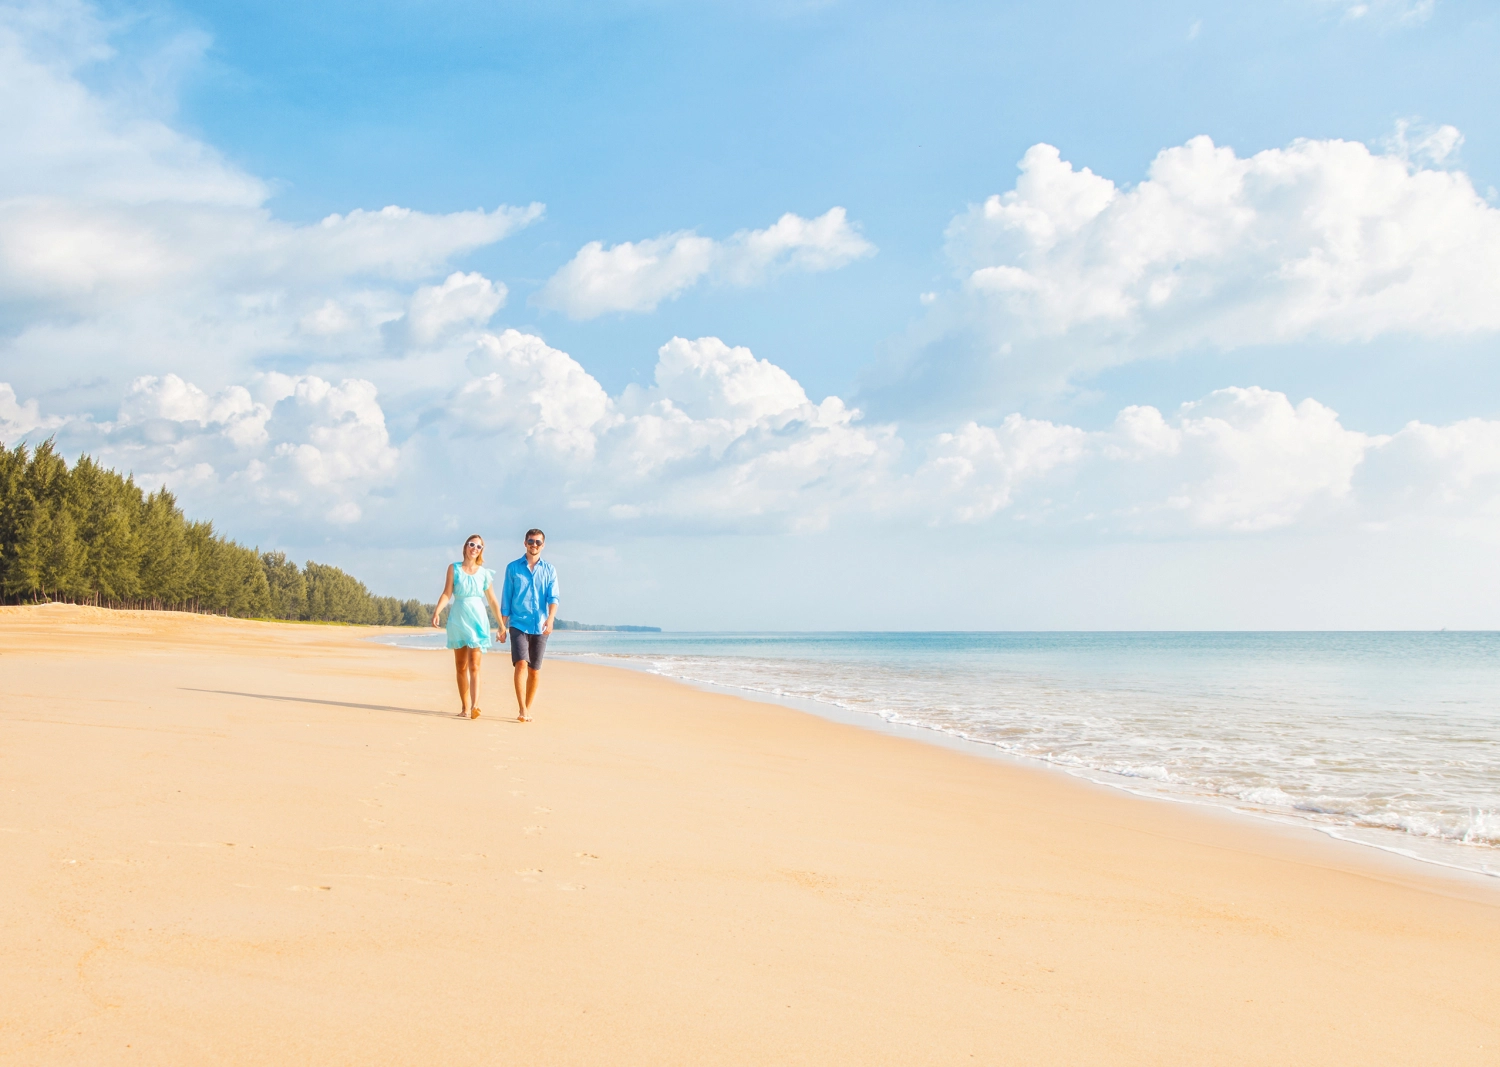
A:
[785,315]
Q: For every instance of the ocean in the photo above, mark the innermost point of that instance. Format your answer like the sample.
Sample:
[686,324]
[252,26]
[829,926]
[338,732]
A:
[1387,739]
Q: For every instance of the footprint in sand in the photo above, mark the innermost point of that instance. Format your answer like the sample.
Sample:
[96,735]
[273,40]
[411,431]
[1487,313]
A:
[518,792]
[374,822]
[542,811]
[530,875]
[586,856]
[569,887]
[533,829]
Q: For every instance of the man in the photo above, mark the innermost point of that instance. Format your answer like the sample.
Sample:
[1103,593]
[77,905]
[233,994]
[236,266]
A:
[528,606]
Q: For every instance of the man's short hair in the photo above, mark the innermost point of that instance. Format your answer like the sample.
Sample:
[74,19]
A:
[535,533]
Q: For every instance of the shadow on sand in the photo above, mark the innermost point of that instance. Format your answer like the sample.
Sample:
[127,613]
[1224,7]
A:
[330,703]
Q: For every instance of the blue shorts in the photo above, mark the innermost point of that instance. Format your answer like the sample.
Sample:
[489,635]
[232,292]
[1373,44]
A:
[528,647]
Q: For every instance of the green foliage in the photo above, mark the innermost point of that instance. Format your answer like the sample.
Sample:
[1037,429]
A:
[333,596]
[287,585]
[415,613]
[87,535]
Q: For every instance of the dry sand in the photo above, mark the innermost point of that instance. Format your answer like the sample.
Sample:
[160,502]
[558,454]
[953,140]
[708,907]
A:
[227,842]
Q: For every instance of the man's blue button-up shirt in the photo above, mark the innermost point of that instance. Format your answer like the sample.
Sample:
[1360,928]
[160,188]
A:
[526,594]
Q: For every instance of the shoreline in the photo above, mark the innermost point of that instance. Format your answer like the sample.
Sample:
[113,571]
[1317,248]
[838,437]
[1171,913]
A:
[935,735]
[249,843]
[1406,859]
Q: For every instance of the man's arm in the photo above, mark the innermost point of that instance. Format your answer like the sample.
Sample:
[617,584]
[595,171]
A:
[552,601]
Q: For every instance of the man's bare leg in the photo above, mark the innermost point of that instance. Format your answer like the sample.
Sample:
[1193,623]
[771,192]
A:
[521,687]
[532,678]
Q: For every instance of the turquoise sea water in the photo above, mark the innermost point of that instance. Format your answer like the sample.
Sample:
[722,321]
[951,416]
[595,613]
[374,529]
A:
[1389,739]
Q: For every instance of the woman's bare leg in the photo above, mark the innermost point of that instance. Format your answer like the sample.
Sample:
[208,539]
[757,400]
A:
[474,661]
[461,667]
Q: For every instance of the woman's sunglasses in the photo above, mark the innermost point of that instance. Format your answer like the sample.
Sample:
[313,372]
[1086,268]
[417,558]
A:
[475,544]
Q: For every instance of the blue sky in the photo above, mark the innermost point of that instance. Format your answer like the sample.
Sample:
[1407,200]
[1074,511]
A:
[511,376]
[629,120]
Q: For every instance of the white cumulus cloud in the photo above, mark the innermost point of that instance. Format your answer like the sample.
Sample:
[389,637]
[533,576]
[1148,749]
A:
[1241,460]
[707,378]
[17,419]
[720,437]
[1435,471]
[527,391]
[725,441]
[1069,273]
[437,311]
[334,435]
[1323,238]
[639,275]
[975,471]
[280,450]
[171,405]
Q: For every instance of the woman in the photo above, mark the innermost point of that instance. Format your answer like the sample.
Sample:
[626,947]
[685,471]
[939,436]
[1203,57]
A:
[467,587]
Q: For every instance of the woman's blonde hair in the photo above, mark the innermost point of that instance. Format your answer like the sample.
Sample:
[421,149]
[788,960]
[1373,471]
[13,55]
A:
[480,539]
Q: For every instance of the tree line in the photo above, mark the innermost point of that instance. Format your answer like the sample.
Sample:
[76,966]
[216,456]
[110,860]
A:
[86,535]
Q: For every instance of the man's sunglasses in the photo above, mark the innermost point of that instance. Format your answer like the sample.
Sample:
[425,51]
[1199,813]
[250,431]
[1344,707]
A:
[532,541]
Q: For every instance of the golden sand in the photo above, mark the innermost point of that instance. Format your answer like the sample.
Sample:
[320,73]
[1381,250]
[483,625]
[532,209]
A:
[227,842]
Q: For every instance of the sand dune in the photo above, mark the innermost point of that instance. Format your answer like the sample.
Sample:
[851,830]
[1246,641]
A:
[238,843]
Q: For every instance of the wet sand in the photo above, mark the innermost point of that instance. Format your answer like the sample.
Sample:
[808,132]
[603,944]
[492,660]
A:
[254,843]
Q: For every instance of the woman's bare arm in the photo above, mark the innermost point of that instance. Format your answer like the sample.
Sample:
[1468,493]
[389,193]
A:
[495,606]
[446,596]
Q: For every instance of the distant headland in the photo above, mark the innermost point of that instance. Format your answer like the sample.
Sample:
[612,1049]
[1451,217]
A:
[564,624]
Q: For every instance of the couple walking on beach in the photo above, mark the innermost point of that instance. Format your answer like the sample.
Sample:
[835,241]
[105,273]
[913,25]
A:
[527,608]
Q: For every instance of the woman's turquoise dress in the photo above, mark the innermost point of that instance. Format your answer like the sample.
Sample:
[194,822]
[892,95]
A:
[468,621]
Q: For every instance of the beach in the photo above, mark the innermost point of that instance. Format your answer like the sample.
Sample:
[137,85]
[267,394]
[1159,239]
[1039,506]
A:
[225,841]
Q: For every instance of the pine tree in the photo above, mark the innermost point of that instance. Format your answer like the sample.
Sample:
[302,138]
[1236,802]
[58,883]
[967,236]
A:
[111,548]
[12,471]
[166,566]
[30,563]
[249,594]
[287,586]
